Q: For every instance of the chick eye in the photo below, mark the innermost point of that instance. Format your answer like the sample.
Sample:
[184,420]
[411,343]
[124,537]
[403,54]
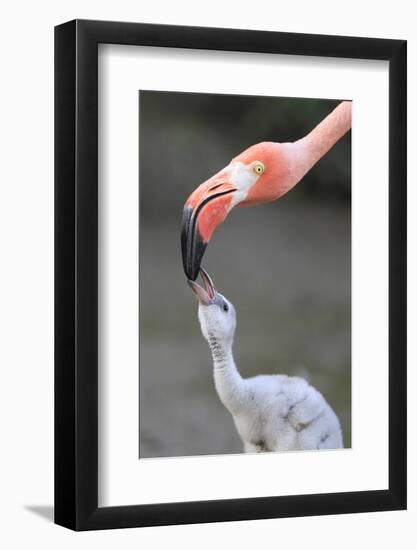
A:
[225,307]
[258,168]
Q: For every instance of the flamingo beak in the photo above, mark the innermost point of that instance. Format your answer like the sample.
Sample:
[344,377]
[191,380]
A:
[206,295]
[205,209]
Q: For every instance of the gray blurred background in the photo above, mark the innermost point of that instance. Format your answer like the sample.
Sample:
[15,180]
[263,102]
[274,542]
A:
[285,266]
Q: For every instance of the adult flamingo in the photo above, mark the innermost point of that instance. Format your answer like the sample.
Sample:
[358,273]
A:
[262,173]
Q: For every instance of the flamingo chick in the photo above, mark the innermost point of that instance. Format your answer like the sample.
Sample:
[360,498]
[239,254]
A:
[270,412]
[262,173]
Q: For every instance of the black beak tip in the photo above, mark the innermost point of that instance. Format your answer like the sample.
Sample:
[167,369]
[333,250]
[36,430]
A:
[194,261]
[191,271]
[192,245]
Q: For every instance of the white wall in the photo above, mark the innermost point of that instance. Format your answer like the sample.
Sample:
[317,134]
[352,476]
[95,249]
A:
[26,289]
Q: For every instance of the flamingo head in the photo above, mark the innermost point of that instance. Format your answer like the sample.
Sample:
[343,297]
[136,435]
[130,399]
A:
[216,314]
[259,174]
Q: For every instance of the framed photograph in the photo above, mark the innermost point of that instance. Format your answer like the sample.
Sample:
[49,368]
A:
[230,284]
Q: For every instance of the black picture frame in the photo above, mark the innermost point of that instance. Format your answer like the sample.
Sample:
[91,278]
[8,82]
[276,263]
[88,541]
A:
[76,272]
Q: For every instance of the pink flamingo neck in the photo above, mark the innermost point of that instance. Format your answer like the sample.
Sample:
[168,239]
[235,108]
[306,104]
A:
[322,138]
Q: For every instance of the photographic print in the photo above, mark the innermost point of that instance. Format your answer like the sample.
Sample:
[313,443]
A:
[245,326]
[223,305]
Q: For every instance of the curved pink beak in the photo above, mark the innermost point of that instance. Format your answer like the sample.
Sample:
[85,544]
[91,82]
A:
[205,209]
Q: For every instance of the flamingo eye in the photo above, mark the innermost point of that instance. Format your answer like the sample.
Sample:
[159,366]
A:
[258,167]
[225,307]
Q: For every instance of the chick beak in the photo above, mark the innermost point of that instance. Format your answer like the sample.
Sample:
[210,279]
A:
[206,295]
